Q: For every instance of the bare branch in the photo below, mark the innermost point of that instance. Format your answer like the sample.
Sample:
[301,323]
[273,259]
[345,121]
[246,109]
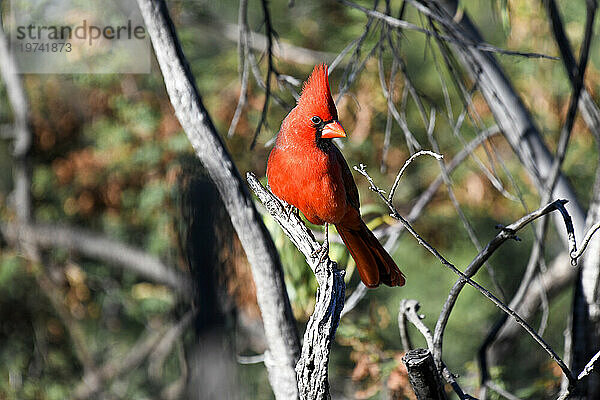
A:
[246,360]
[394,231]
[586,240]
[354,298]
[403,328]
[502,392]
[406,164]
[243,65]
[423,375]
[506,233]
[280,329]
[100,247]
[269,32]
[281,50]
[23,137]
[164,347]
[589,109]
[512,116]
[22,199]
[589,367]
[312,366]
[397,23]
[410,308]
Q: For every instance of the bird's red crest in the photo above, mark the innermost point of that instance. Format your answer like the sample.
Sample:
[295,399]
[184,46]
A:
[316,94]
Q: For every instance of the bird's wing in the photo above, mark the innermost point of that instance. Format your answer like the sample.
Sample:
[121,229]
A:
[349,184]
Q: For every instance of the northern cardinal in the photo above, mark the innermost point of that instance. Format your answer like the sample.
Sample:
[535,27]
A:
[308,171]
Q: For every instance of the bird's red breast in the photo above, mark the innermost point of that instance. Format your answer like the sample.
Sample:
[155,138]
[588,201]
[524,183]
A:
[309,172]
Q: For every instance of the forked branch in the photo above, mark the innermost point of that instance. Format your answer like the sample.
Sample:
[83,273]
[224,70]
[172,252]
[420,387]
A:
[508,232]
[312,366]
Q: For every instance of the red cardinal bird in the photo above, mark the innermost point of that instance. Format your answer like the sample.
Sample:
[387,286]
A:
[309,172]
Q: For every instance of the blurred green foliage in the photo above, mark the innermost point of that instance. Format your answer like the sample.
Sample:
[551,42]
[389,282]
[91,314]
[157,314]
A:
[107,156]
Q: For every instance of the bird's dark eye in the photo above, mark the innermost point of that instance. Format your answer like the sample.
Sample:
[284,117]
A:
[316,120]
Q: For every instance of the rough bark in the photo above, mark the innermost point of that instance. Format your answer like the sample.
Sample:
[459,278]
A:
[513,118]
[312,367]
[423,375]
[281,333]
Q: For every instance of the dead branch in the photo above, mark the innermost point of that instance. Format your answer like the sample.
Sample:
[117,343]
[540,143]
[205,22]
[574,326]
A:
[312,366]
[423,375]
[102,248]
[588,108]
[462,40]
[354,298]
[403,327]
[281,332]
[513,118]
[22,199]
[282,50]
[22,135]
[410,309]
[243,49]
[393,232]
[506,233]
[589,367]
[269,33]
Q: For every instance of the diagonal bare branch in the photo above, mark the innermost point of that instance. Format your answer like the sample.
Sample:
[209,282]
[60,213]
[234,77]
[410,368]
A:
[313,363]
[100,247]
[280,328]
[506,233]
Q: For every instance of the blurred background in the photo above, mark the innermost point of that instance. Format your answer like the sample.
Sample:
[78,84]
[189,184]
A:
[111,166]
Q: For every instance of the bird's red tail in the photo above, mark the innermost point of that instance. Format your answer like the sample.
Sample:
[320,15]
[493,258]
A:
[375,266]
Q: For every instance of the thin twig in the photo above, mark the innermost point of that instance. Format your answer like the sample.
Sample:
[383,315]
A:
[354,298]
[247,360]
[586,240]
[243,65]
[269,32]
[406,164]
[102,248]
[393,232]
[508,232]
[403,328]
[502,392]
[589,109]
[95,381]
[589,367]
[165,346]
[397,23]
[410,308]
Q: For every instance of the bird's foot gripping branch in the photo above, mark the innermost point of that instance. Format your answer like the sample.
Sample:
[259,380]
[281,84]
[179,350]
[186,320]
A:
[312,366]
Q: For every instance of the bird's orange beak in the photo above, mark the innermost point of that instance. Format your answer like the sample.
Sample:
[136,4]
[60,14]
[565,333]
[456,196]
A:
[333,130]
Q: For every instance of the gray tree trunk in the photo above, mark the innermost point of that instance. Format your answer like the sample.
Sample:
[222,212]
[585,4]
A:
[280,329]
